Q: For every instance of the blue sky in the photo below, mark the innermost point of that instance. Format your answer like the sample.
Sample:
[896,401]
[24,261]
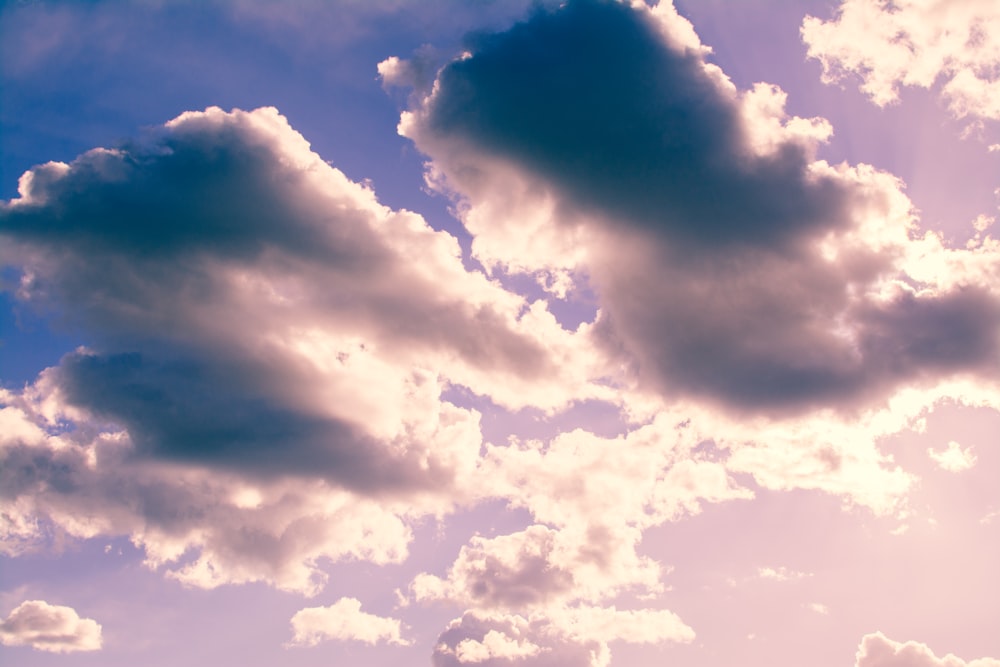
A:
[499,333]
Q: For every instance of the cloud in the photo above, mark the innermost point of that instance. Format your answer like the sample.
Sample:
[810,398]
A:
[615,128]
[592,498]
[730,265]
[494,645]
[343,620]
[781,573]
[260,328]
[912,43]
[73,478]
[819,608]
[953,458]
[574,636]
[48,627]
[877,650]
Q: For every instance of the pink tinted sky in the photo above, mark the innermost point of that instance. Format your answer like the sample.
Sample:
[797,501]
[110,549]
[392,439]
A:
[268,401]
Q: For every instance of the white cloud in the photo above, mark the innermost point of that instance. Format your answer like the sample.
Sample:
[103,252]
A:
[575,636]
[343,620]
[781,573]
[877,650]
[48,627]
[953,458]
[914,43]
[495,645]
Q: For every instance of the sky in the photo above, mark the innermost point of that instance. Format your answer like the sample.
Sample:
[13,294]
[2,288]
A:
[500,333]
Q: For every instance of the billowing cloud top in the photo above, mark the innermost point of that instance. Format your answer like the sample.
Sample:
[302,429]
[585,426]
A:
[49,627]
[281,372]
[913,43]
[243,292]
[730,264]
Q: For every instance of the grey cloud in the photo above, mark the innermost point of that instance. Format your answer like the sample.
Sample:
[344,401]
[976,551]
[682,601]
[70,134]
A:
[194,522]
[761,333]
[555,651]
[193,412]
[47,627]
[707,255]
[591,99]
[192,258]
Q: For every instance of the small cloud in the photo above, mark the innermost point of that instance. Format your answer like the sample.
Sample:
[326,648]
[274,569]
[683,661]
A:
[781,573]
[47,627]
[819,608]
[953,458]
[343,621]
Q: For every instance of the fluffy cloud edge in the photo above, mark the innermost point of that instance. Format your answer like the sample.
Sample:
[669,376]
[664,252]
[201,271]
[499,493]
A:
[910,43]
[51,628]
[877,650]
[344,621]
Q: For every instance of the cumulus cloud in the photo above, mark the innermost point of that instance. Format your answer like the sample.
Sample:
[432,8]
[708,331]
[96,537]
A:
[264,330]
[953,458]
[913,43]
[65,477]
[571,637]
[781,573]
[757,277]
[343,620]
[787,312]
[494,645]
[49,627]
[877,650]
[593,497]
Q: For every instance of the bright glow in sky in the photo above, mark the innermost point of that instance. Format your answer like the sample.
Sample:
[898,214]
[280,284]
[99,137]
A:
[511,333]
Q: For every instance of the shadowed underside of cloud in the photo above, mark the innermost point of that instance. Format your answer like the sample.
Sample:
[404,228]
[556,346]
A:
[48,627]
[592,99]
[251,307]
[730,265]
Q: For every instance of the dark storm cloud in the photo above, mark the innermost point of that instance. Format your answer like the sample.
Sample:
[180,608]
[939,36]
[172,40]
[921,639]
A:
[759,333]
[591,99]
[192,412]
[212,192]
[205,261]
[729,266]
